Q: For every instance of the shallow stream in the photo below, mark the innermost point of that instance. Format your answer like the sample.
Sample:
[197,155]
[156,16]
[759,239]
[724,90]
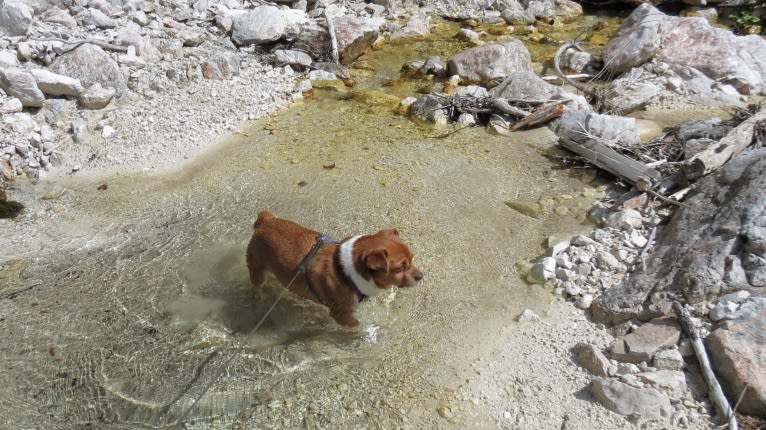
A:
[131,307]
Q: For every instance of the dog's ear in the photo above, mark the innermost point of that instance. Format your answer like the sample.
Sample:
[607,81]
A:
[377,260]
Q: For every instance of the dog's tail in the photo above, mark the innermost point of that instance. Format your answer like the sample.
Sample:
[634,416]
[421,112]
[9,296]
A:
[263,216]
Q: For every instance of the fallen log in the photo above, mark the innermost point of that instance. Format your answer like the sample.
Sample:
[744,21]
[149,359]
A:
[716,393]
[604,157]
[729,146]
[592,136]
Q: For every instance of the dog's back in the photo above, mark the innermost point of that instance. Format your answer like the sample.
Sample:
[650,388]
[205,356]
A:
[277,246]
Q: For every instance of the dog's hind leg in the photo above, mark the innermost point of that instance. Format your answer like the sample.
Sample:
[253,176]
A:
[256,266]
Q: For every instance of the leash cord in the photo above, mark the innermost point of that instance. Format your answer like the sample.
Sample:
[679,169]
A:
[301,269]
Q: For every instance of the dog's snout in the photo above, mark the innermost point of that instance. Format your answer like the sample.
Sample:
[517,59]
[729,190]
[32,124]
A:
[418,276]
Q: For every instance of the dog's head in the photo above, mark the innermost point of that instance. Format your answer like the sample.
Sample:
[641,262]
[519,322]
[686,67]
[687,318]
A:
[389,260]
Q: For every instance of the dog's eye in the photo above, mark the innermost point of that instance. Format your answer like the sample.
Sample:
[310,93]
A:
[399,269]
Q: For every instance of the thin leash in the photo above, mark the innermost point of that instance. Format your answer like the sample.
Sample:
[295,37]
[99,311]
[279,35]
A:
[300,270]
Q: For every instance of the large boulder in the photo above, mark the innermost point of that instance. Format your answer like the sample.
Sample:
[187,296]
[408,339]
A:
[688,43]
[355,35]
[490,64]
[266,24]
[526,12]
[54,84]
[738,355]
[22,85]
[15,17]
[644,403]
[90,64]
[714,244]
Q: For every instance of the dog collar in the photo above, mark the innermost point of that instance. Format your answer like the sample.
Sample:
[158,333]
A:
[364,287]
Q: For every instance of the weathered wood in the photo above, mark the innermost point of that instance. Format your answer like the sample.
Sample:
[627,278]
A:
[612,161]
[729,146]
[503,106]
[541,115]
[77,43]
[716,393]
[557,65]
[333,38]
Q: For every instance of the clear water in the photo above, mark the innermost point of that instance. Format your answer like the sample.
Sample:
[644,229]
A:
[131,308]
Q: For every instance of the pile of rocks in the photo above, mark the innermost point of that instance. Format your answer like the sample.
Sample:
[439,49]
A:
[583,267]
[92,83]
[641,375]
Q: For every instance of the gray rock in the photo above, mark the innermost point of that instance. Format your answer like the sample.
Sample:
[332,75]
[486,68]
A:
[591,358]
[641,344]
[468,35]
[522,13]
[79,126]
[643,403]
[672,380]
[15,17]
[292,57]
[581,126]
[490,64]
[144,48]
[90,64]
[22,85]
[223,64]
[724,310]
[428,109]
[96,97]
[700,256]
[583,302]
[738,355]
[528,315]
[11,105]
[53,84]
[266,24]
[355,35]
[416,26]
[668,359]
[59,16]
[542,271]
[8,59]
[649,34]
[100,19]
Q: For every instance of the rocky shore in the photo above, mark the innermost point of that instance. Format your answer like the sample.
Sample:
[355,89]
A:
[97,86]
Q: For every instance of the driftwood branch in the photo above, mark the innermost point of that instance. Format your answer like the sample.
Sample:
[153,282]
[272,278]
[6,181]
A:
[557,65]
[716,393]
[333,38]
[541,115]
[503,106]
[606,158]
[77,43]
[729,146]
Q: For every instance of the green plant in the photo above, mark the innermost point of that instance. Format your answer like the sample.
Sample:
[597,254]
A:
[744,19]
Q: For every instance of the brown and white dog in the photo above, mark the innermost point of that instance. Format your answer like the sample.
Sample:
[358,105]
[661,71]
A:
[340,275]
